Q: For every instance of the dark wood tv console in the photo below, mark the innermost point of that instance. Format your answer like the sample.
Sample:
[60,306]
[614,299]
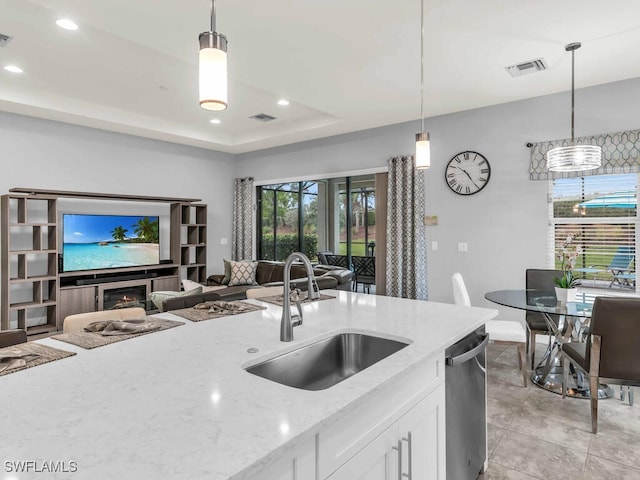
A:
[36,297]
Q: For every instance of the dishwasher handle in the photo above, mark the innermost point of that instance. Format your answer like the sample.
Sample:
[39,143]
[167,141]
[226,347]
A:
[469,354]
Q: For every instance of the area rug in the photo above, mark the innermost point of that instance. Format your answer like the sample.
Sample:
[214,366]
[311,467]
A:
[89,340]
[27,355]
[215,309]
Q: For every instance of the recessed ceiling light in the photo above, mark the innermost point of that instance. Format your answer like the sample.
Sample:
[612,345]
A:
[283,102]
[13,69]
[215,121]
[67,24]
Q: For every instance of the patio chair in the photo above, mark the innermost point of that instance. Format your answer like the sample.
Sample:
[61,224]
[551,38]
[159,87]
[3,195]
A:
[364,269]
[619,267]
[337,260]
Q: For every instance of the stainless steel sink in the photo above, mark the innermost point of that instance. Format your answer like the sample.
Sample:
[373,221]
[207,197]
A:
[327,362]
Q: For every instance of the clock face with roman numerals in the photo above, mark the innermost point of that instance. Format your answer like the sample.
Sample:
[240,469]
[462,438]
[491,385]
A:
[467,173]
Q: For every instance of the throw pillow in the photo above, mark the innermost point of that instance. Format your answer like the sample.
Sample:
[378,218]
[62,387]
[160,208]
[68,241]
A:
[159,297]
[227,271]
[190,285]
[243,273]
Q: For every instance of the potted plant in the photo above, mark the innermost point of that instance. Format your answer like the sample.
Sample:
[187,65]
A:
[566,284]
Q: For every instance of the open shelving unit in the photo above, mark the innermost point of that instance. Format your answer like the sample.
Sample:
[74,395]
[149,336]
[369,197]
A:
[29,262]
[36,297]
[190,239]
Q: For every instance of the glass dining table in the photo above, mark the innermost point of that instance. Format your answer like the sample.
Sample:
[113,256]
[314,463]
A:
[566,322]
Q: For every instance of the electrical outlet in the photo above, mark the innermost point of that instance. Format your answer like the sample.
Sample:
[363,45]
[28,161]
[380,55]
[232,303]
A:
[224,241]
[463,247]
[434,245]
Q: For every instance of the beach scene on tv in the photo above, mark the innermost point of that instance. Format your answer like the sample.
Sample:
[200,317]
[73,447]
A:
[109,241]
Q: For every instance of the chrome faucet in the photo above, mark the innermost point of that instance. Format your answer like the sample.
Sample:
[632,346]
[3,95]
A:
[288,322]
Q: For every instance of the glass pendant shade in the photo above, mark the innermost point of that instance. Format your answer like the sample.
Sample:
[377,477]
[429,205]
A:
[574,158]
[213,71]
[423,150]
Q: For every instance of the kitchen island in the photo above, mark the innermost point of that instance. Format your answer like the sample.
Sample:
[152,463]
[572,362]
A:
[178,404]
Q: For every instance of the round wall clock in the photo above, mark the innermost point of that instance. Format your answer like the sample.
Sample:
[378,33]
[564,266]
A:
[467,173]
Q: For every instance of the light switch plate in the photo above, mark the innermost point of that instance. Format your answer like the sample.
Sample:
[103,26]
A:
[463,247]
[224,241]
[434,245]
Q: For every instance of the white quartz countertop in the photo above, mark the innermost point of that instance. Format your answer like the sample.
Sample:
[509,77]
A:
[177,404]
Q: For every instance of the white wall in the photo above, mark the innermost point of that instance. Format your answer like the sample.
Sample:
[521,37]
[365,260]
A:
[43,154]
[505,225]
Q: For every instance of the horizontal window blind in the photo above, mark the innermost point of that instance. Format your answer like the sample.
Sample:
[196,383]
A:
[601,212]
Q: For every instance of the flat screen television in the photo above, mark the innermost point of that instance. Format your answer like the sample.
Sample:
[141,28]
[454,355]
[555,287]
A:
[96,242]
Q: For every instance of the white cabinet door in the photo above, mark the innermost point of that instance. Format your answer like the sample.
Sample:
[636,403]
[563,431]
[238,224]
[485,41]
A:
[377,461]
[419,437]
[422,431]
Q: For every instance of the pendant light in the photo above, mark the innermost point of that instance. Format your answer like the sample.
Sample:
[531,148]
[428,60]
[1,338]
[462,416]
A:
[213,67]
[574,158]
[423,150]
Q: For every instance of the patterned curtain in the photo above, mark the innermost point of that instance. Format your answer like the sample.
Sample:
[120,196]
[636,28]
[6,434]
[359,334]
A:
[242,219]
[406,242]
[620,154]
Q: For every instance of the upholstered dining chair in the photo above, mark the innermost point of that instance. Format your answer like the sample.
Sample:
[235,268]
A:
[9,338]
[538,279]
[501,332]
[611,351]
[78,321]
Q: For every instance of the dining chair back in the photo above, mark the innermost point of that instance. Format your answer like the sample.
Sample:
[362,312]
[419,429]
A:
[9,338]
[611,351]
[78,321]
[505,332]
[364,270]
[460,293]
[538,279]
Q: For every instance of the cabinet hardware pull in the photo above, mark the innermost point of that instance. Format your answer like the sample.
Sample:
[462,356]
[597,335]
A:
[407,439]
[399,449]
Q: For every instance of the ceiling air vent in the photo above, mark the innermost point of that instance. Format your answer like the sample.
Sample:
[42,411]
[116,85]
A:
[4,39]
[526,68]
[263,117]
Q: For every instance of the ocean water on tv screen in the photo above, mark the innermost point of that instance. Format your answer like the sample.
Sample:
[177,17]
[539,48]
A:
[92,256]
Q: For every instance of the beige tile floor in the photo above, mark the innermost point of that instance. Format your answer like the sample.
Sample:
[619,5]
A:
[535,434]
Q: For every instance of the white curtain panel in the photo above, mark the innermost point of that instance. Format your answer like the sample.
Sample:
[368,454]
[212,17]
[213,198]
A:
[242,219]
[406,242]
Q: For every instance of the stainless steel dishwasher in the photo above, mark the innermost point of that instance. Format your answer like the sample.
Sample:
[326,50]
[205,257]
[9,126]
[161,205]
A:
[465,392]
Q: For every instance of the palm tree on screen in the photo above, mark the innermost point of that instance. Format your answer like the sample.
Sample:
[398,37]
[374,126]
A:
[119,233]
[147,229]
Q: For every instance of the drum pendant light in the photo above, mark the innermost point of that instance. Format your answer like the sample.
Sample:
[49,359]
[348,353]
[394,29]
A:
[213,67]
[423,149]
[574,158]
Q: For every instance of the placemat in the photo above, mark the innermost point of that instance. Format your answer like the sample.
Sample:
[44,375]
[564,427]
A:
[89,340]
[215,309]
[279,299]
[39,354]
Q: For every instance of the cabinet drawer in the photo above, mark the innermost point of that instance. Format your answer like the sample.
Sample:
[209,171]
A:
[343,439]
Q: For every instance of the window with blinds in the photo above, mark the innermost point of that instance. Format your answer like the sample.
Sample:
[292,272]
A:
[601,211]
